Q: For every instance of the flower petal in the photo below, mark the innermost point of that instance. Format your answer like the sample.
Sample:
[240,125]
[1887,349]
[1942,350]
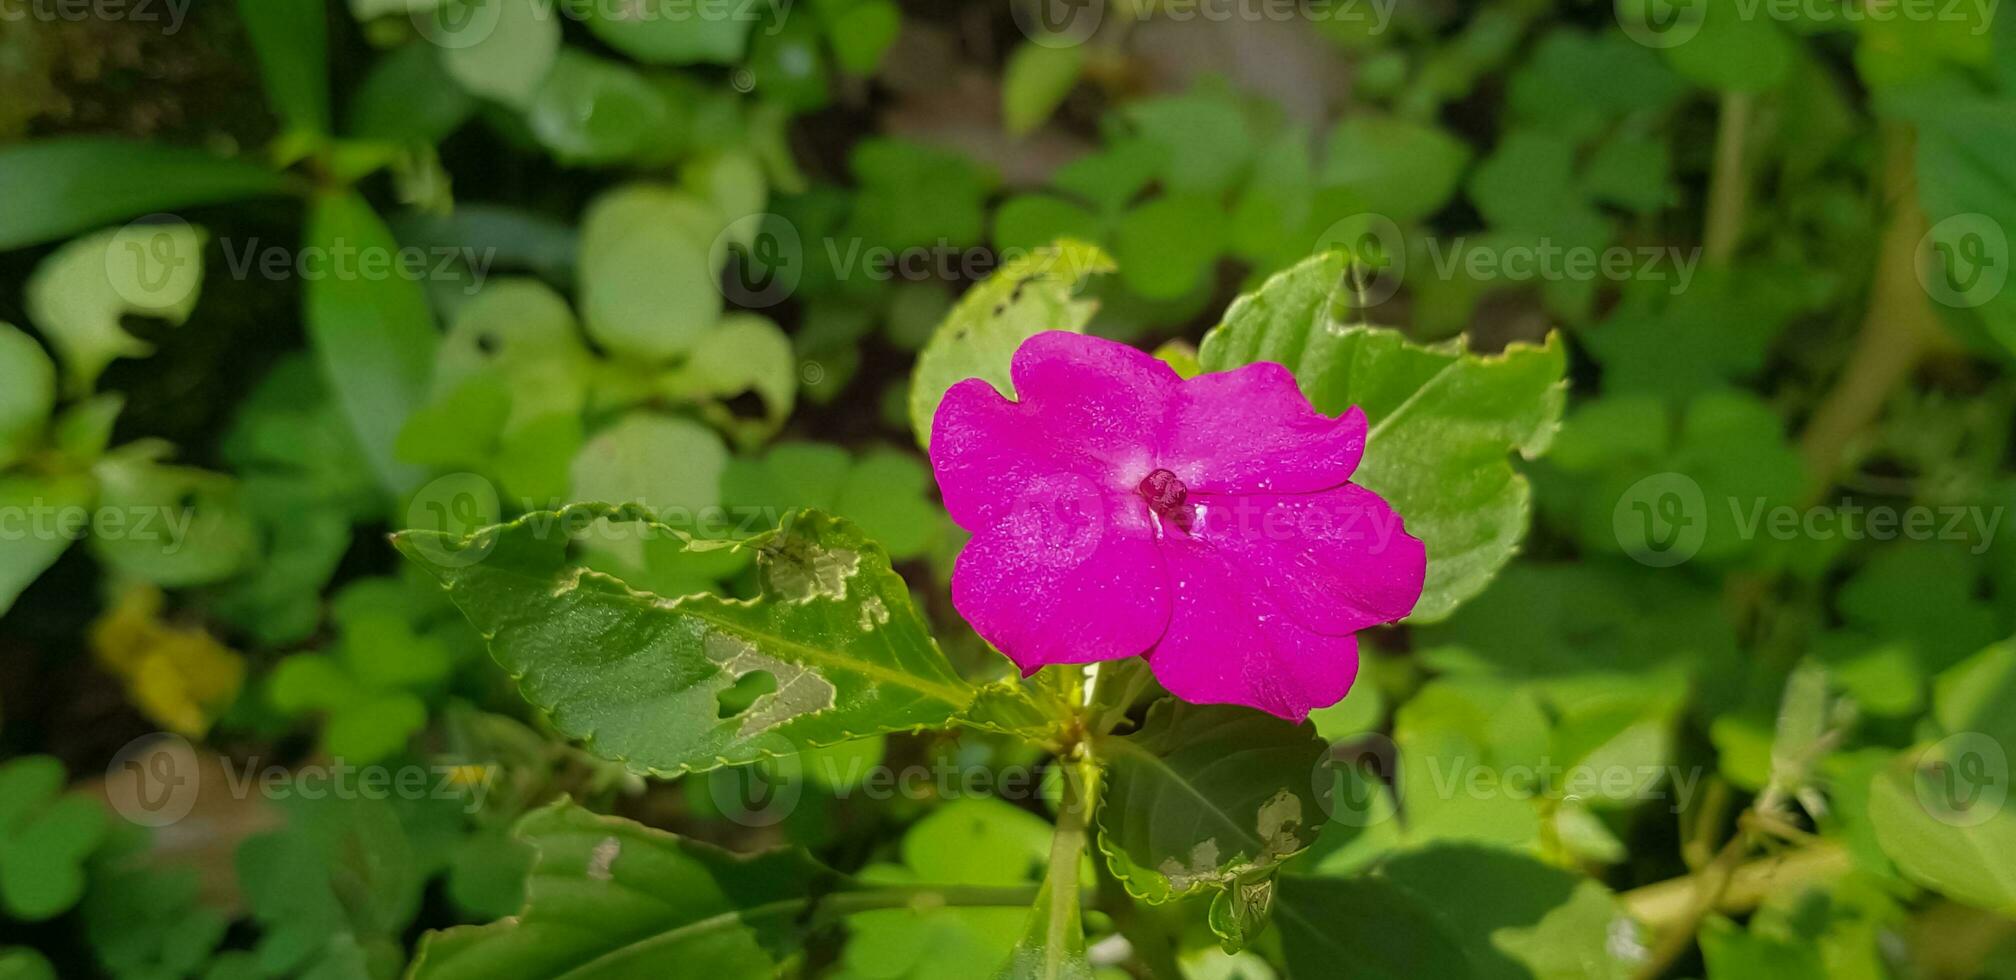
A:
[1111,400]
[1072,576]
[987,452]
[1337,561]
[1229,643]
[1250,430]
[1085,405]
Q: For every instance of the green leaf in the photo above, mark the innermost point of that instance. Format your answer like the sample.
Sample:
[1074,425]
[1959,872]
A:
[1734,953]
[1734,50]
[1516,917]
[1443,421]
[914,195]
[27,393]
[44,499]
[1967,186]
[1203,135]
[63,186]
[1025,297]
[1035,81]
[639,677]
[742,353]
[1941,813]
[1166,246]
[79,293]
[861,32]
[44,838]
[666,35]
[1203,797]
[509,62]
[649,260]
[375,337]
[407,97]
[887,492]
[973,842]
[1975,694]
[589,111]
[1403,170]
[170,525]
[1364,928]
[659,905]
[22,963]
[292,43]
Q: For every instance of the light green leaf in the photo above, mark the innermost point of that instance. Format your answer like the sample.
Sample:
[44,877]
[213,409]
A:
[27,393]
[1035,82]
[170,525]
[1401,169]
[44,838]
[1025,297]
[1941,812]
[292,43]
[638,677]
[22,963]
[742,353]
[590,111]
[509,62]
[1203,797]
[1975,694]
[648,267]
[60,187]
[1443,421]
[77,295]
[374,337]
[45,500]
[660,905]
[662,34]
[860,31]
[408,97]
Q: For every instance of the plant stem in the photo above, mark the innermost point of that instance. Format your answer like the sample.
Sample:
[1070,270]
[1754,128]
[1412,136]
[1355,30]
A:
[1664,905]
[1729,183]
[1898,330]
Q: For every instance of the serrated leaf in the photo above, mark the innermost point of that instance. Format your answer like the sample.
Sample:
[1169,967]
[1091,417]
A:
[638,677]
[660,905]
[1203,797]
[1444,422]
[1032,294]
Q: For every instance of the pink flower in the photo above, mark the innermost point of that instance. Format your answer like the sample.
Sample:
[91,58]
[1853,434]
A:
[1208,524]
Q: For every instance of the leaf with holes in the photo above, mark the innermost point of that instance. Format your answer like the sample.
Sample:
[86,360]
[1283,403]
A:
[1202,797]
[1444,421]
[831,650]
[1032,294]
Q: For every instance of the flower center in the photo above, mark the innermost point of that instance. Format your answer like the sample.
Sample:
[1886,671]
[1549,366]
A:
[1168,498]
